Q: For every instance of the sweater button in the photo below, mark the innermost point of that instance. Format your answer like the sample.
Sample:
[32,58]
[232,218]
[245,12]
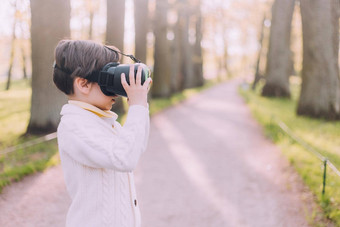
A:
[135,201]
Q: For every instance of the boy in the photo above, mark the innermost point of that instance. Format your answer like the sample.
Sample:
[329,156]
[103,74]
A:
[97,154]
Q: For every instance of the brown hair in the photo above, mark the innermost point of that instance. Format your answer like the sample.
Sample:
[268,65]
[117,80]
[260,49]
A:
[79,58]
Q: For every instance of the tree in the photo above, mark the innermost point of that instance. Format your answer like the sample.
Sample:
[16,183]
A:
[258,76]
[279,60]
[23,24]
[161,80]
[23,60]
[115,23]
[186,65]
[224,60]
[115,35]
[176,53]
[11,59]
[320,90]
[198,58]
[90,8]
[141,28]
[50,22]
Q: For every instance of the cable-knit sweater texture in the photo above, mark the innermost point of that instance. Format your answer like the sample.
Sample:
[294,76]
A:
[98,156]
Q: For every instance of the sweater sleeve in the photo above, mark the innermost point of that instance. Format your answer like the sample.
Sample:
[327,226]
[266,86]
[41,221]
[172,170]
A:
[146,130]
[98,146]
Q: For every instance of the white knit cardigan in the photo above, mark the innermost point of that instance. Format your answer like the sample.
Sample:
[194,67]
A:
[98,156]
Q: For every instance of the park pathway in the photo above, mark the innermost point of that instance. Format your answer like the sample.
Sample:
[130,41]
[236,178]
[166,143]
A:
[207,165]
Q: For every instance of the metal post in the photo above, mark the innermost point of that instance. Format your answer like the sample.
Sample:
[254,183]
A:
[324,176]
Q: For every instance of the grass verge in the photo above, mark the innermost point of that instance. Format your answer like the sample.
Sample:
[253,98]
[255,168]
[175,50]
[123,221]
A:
[320,134]
[14,117]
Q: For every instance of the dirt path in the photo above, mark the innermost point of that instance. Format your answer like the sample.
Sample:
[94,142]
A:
[207,165]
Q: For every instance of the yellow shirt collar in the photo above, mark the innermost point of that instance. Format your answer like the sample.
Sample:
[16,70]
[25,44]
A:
[93,109]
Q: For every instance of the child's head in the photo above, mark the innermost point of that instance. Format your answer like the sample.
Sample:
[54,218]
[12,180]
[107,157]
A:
[74,61]
[79,58]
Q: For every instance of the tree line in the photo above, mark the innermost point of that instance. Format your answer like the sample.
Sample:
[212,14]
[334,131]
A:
[177,62]
[176,52]
[320,88]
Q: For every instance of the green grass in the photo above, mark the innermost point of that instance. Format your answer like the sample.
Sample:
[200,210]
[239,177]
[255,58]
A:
[14,166]
[14,112]
[320,134]
[14,117]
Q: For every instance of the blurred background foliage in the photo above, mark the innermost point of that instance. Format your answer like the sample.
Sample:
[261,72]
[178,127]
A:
[185,43]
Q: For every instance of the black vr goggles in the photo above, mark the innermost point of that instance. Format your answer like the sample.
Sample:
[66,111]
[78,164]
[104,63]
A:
[109,77]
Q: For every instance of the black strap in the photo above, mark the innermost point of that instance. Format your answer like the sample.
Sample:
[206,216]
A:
[133,58]
[61,69]
[94,76]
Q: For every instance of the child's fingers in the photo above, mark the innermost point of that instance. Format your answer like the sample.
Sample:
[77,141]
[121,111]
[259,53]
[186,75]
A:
[123,80]
[147,83]
[132,76]
[139,76]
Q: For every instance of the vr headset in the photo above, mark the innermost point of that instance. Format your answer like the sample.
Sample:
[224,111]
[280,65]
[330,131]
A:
[108,78]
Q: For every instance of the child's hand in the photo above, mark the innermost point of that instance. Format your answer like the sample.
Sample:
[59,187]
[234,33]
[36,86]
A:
[136,92]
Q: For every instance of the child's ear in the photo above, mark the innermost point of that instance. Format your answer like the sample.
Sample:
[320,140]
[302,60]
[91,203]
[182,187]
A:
[82,85]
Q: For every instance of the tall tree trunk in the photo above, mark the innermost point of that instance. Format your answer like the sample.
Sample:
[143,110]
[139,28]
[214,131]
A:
[115,23]
[177,54]
[186,61]
[115,35]
[175,51]
[225,43]
[198,58]
[11,58]
[91,16]
[91,8]
[257,68]
[225,54]
[161,82]
[50,23]
[320,91]
[23,54]
[23,60]
[278,59]
[141,28]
